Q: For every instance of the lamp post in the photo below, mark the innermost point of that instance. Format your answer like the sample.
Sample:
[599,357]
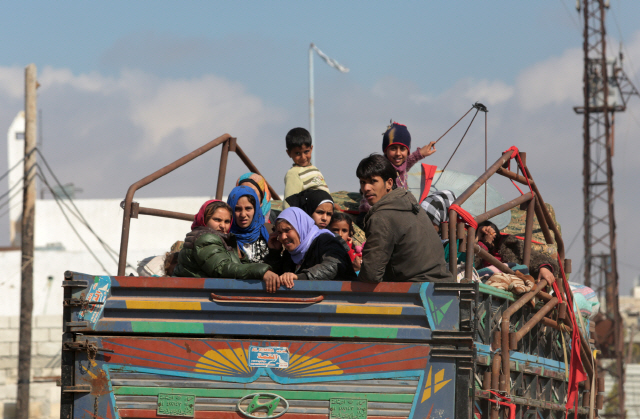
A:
[333,63]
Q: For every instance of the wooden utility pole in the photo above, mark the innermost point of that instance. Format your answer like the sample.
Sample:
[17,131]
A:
[28,221]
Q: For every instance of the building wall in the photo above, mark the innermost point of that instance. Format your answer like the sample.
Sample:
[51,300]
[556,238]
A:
[45,366]
[15,152]
[58,249]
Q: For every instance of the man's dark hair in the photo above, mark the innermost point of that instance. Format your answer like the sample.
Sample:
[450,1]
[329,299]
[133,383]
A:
[376,165]
[297,137]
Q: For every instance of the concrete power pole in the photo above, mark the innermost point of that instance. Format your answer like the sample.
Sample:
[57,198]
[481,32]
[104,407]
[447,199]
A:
[28,221]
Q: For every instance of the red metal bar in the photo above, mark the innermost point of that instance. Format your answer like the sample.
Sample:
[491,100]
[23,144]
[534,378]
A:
[254,169]
[547,217]
[532,322]
[222,170]
[504,207]
[243,299]
[528,232]
[495,262]
[504,331]
[513,176]
[495,384]
[166,214]
[482,179]
[471,241]
[126,222]
[453,245]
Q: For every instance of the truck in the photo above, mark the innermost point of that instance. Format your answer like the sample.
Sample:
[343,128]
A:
[166,347]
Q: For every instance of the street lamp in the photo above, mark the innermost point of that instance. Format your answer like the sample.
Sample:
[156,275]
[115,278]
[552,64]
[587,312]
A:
[333,63]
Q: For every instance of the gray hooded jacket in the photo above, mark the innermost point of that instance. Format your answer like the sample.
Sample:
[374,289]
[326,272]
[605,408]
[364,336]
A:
[402,244]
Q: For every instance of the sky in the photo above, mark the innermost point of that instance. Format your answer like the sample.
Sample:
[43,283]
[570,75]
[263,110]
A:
[129,86]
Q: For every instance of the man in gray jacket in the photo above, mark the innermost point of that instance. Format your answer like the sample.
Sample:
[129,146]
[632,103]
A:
[401,242]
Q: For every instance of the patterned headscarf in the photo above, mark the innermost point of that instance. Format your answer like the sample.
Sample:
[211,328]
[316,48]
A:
[199,220]
[306,229]
[258,181]
[256,228]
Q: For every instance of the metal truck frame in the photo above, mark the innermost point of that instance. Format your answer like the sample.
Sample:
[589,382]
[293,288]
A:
[161,347]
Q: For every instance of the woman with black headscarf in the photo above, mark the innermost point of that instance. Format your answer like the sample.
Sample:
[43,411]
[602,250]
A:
[317,203]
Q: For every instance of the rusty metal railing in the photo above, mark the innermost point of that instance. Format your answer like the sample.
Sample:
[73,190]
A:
[133,209]
[533,203]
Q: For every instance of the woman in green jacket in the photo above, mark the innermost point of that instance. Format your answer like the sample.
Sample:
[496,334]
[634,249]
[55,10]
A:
[209,251]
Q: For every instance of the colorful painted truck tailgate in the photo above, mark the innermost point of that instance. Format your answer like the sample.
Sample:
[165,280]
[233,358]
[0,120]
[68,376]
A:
[138,347]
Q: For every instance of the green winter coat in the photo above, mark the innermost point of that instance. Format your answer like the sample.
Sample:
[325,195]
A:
[207,253]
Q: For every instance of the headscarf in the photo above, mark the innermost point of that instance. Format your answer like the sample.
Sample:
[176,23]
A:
[437,206]
[256,228]
[259,182]
[199,220]
[308,200]
[305,227]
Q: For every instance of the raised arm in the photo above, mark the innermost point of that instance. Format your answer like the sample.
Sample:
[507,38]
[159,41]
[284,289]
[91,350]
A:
[429,149]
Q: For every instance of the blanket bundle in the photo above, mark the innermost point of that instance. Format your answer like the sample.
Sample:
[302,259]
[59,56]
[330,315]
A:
[518,283]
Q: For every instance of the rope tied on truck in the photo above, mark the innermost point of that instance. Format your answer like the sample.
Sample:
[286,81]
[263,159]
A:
[512,406]
[516,153]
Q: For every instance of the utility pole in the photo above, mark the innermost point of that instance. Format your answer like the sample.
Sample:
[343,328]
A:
[28,220]
[606,91]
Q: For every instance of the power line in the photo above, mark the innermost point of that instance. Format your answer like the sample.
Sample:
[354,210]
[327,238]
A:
[17,204]
[5,203]
[110,251]
[15,185]
[10,170]
[57,199]
[575,237]
[573,19]
[629,265]
[83,221]
[623,47]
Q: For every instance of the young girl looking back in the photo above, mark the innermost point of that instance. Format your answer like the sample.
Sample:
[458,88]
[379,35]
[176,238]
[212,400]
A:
[342,226]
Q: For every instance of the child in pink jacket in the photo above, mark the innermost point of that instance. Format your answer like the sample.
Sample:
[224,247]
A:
[396,144]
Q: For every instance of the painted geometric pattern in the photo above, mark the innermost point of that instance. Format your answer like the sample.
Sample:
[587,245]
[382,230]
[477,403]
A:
[230,358]
[438,383]
[321,365]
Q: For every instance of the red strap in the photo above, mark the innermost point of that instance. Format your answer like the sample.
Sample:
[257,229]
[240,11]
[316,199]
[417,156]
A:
[576,371]
[557,292]
[516,153]
[428,171]
[466,217]
[512,406]
[522,238]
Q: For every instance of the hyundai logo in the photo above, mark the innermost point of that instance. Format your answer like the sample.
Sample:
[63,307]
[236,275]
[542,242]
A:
[266,401]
